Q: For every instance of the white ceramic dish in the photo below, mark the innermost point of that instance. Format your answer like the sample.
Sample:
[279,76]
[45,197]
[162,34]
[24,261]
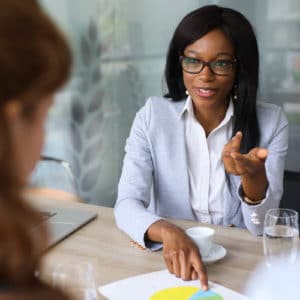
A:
[216,253]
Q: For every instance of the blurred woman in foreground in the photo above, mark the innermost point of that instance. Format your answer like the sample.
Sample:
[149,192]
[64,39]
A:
[35,62]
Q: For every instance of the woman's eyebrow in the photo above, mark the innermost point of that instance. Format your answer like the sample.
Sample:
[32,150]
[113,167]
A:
[193,52]
[217,54]
[225,53]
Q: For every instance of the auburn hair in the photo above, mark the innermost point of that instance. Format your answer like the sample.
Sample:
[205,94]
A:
[35,61]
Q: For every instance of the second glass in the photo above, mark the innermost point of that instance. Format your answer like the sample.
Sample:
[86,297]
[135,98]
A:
[77,279]
[281,235]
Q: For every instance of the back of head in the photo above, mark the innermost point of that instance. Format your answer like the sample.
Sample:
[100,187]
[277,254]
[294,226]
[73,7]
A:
[35,61]
[39,291]
[240,32]
[34,57]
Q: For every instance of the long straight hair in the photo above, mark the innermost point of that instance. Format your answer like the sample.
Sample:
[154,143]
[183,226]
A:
[35,61]
[240,32]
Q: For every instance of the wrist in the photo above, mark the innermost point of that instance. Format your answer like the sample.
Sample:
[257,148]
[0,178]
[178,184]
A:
[249,201]
[170,232]
[160,230]
[254,188]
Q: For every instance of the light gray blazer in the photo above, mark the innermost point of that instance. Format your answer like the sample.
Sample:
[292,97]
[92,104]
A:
[154,183]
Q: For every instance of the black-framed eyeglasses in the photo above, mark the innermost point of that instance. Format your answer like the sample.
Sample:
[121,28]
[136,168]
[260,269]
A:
[222,67]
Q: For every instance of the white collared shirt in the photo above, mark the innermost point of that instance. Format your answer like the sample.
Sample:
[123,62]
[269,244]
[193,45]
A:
[205,167]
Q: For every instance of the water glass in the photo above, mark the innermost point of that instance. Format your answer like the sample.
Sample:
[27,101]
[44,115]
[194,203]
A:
[77,279]
[280,236]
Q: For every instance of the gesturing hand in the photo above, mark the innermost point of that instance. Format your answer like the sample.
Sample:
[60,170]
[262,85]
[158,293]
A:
[243,164]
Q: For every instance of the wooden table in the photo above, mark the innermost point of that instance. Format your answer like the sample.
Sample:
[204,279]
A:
[114,257]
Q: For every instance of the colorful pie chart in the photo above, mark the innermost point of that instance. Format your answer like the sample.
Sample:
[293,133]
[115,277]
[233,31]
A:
[185,293]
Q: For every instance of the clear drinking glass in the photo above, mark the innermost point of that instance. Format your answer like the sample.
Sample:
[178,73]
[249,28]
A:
[77,279]
[281,234]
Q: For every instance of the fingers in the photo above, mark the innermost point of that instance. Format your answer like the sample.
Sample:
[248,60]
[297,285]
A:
[199,268]
[246,163]
[194,275]
[187,265]
[176,265]
[253,161]
[169,263]
[241,164]
[236,142]
[231,151]
[173,263]
[262,153]
[182,257]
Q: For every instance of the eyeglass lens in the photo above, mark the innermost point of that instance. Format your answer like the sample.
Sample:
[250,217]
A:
[218,67]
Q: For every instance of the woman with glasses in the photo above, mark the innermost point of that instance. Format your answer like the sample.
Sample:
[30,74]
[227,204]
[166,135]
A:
[207,150]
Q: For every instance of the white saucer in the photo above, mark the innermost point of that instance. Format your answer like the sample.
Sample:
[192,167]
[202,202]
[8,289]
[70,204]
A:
[216,253]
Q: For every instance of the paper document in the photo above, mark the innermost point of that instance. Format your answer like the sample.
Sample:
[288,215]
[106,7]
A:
[162,285]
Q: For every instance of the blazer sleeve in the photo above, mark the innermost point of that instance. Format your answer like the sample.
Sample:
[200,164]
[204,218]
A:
[134,189]
[277,150]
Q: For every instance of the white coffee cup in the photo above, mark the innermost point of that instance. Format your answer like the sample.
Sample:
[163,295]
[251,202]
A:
[202,237]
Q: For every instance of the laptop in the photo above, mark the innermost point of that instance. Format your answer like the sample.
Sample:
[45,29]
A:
[62,222]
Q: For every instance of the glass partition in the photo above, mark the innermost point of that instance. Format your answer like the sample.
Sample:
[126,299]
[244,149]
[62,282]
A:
[119,51]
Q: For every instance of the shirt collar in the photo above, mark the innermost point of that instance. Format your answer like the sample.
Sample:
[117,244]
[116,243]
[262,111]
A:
[188,108]
[229,114]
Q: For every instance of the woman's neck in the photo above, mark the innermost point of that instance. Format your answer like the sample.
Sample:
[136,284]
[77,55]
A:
[210,118]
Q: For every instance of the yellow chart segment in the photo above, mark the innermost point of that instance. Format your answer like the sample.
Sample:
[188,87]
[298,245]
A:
[185,293]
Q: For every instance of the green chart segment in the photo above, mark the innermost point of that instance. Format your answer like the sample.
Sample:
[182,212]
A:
[185,293]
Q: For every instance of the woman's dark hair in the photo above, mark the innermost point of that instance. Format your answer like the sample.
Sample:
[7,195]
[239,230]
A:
[35,61]
[240,32]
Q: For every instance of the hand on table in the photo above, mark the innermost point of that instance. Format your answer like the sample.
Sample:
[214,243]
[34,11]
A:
[182,256]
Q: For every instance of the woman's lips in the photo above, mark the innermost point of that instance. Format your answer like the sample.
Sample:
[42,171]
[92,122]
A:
[205,92]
